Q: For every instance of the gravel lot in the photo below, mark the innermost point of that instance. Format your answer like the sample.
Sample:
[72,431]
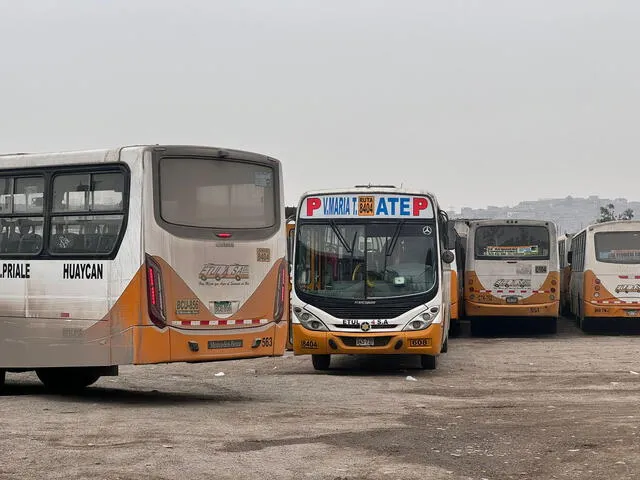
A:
[510,405]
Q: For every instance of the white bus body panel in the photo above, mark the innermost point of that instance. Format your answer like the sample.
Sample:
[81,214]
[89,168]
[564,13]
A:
[43,318]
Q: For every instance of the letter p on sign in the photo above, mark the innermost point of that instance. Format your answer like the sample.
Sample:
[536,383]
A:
[313,203]
[419,204]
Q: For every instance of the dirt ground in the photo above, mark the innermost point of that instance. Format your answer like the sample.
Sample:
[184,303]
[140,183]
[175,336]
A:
[509,406]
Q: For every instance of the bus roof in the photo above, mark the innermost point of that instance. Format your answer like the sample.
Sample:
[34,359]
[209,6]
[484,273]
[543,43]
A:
[21,160]
[370,189]
[612,226]
[510,221]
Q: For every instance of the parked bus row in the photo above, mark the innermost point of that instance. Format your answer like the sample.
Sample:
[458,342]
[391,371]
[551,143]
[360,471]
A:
[156,254]
[522,269]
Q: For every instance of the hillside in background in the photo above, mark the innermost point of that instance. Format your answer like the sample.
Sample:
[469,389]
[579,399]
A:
[570,214]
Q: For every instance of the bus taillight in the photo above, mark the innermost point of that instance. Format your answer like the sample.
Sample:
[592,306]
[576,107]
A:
[155,294]
[278,308]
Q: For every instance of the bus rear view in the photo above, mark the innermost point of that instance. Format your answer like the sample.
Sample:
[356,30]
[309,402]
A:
[368,277]
[512,271]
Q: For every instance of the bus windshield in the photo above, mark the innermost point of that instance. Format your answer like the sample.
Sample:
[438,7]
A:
[496,242]
[618,247]
[366,260]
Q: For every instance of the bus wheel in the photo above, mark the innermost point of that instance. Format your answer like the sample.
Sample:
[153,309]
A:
[321,362]
[428,362]
[2,374]
[445,346]
[67,379]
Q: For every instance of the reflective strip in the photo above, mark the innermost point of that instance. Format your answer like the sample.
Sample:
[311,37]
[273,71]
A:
[219,323]
[618,302]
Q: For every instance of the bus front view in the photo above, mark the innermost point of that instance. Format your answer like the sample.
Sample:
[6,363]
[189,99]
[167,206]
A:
[368,275]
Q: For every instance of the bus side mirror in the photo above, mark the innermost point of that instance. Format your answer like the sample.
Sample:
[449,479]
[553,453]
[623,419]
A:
[569,257]
[447,256]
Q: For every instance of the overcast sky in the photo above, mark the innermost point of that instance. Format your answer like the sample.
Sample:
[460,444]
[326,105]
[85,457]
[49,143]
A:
[481,102]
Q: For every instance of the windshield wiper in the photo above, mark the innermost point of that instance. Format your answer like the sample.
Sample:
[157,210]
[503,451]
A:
[343,241]
[391,246]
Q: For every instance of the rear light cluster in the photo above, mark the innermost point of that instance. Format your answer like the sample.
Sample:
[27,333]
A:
[155,293]
[283,281]
[596,288]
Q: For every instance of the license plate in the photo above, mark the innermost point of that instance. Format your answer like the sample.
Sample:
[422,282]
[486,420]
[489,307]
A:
[633,313]
[419,342]
[364,342]
[512,299]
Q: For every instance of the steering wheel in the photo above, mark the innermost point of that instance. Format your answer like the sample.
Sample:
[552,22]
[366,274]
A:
[369,280]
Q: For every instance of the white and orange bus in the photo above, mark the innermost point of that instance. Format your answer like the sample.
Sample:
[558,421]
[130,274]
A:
[605,274]
[138,255]
[370,275]
[512,270]
[564,246]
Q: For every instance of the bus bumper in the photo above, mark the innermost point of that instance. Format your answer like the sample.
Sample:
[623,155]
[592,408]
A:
[611,310]
[423,342]
[473,309]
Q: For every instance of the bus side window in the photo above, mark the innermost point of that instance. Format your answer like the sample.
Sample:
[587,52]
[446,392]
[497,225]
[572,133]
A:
[87,212]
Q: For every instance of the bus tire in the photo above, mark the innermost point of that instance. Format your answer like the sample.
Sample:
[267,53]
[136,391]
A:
[428,362]
[445,346]
[67,379]
[321,362]
[2,375]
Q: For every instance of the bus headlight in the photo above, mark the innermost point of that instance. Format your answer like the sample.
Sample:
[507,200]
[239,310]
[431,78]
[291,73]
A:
[424,320]
[309,320]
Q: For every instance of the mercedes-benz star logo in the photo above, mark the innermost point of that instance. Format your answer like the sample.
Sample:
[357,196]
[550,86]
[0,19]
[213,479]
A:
[426,230]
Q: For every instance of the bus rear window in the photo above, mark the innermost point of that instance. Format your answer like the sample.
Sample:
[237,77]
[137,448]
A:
[213,193]
[618,247]
[512,241]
